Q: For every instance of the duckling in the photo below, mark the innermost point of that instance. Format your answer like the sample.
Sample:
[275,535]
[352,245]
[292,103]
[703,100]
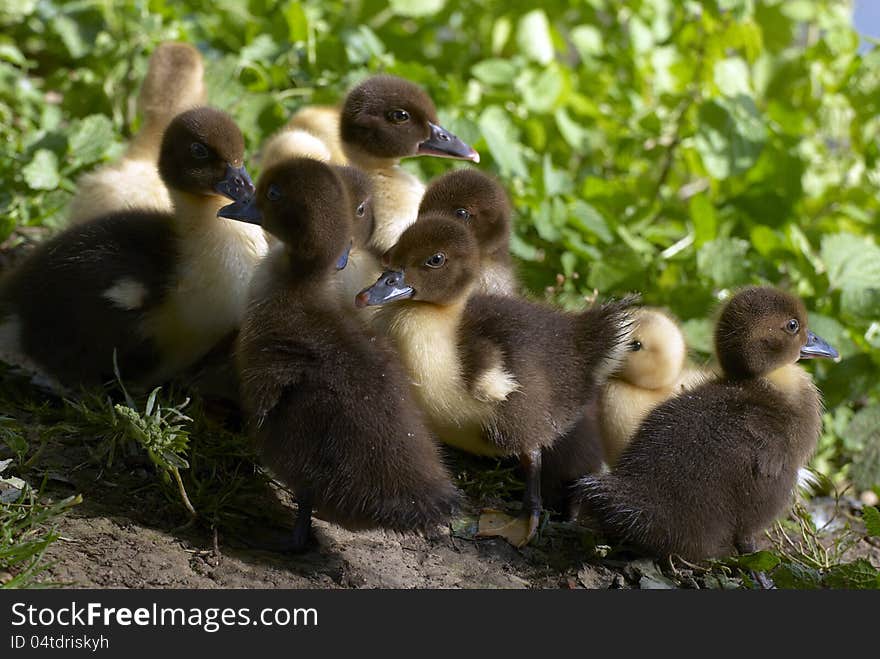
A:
[712,467]
[328,402]
[174,83]
[654,370]
[479,201]
[494,375]
[159,289]
[384,119]
[312,132]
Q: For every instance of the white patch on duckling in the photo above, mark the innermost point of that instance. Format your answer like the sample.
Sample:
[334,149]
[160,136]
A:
[496,279]
[495,385]
[127,294]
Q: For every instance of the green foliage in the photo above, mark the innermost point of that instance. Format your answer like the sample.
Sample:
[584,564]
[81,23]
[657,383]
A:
[680,149]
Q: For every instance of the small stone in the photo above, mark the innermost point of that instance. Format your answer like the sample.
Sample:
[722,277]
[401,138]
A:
[869,498]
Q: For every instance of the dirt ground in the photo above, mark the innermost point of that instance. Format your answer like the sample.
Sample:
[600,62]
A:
[127,536]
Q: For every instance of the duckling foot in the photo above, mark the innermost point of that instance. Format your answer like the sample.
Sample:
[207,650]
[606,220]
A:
[518,531]
[302,529]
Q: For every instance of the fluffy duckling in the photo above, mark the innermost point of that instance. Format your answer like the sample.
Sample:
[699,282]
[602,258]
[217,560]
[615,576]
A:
[711,468]
[329,403]
[478,200]
[174,83]
[313,132]
[654,370]
[159,289]
[495,375]
[384,119]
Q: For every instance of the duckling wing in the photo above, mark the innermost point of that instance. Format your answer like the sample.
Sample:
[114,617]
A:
[84,293]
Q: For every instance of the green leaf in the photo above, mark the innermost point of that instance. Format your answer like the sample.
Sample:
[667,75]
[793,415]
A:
[533,37]
[540,90]
[853,265]
[724,262]
[90,139]
[860,574]
[862,437]
[416,8]
[699,334]
[760,561]
[41,173]
[871,518]
[494,71]
[730,136]
[502,138]
[732,76]
[705,219]
[586,218]
[587,39]
[68,30]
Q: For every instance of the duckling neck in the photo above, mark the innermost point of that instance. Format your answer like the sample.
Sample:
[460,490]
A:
[396,196]
[792,381]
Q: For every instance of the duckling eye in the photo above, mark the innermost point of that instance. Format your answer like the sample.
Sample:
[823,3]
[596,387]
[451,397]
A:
[199,150]
[462,213]
[361,209]
[398,116]
[635,346]
[436,261]
[273,193]
[792,326]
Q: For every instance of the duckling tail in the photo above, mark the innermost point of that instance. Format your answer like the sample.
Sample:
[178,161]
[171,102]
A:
[605,501]
[605,337]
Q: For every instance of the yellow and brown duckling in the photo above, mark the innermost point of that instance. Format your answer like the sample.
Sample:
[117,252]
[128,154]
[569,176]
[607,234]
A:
[479,201]
[654,370]
[385,119]
[713,467]
[159,289]
[173,84]
[329,404]
[494,375]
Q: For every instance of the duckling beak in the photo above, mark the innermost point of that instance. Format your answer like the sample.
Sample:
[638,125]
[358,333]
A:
[343,260]
[817,347]
[389,287]
[444,144]
[236,184]
[244,210]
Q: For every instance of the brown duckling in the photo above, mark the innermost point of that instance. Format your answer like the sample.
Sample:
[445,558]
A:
[173,84]
[159,289]
[478,200]
[385,119]
[655,369]
[328,402]
[711,468]
[494,375]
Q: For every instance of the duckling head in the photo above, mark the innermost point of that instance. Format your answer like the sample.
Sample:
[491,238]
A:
[656,353]
[436,260]
[475,199]
[761,329]
[360,194]
[202,154]
[388,118]
[304,203]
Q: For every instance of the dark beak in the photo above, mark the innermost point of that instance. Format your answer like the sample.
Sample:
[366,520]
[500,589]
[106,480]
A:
[817,347]
[343,260]
[245,211]
[389,287]
[444,144]
[236,185]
